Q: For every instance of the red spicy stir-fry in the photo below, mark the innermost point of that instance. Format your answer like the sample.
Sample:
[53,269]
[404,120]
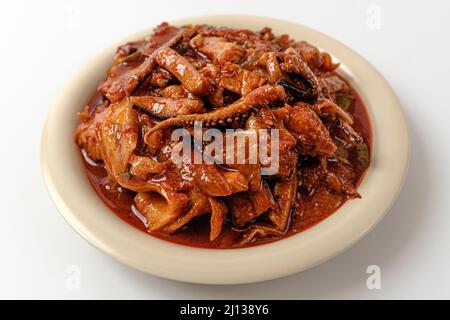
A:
[223,80]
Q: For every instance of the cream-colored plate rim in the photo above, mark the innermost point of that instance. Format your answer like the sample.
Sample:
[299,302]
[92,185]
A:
[83,210]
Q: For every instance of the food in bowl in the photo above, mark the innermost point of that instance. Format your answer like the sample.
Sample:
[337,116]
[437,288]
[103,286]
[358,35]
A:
[161,146]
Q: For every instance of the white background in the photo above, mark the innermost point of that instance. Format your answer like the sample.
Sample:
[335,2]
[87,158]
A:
[43,42]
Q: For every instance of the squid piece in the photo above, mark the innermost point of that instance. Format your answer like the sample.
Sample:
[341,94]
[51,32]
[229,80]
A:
[247,206]
[177,65]
[127,49]
[145,166]
[282,114]
[125,76]
[211,179]
[199,205]
[314,58]
[176,201]
[252,172]
[178,92]
[330,110]
[262,199]
[239,80]
[265,64]
[119,135]
[217,183]
[274,72]
[160,217]
[166,107]
[287,152]
[285,193]
[260,231]
[218,49]
[212,74]
[309,53]
[87,131]
[241,208]
[266,120]
[344,182]
[253,59]
[313,137]
[293,64]
[338,119]
[348,134]
[218,212]
[331,176]
[236,181]
[332,84]
[155,209]
[257,99]
[159,78]
[154,143]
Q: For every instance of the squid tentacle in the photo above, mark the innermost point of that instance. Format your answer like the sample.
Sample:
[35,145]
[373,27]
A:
[263,96]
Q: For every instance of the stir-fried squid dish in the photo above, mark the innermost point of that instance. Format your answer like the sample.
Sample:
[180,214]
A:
[201,79]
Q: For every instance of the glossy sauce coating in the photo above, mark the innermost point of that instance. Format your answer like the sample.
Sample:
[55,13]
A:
[310,209]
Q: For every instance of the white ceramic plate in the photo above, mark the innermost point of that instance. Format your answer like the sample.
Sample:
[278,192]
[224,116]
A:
[84,211]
